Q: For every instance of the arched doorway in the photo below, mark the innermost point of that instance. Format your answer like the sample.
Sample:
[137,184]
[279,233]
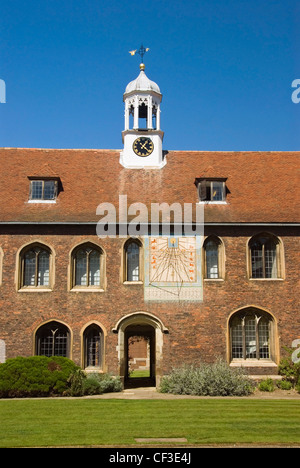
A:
[148,330]
[140,356]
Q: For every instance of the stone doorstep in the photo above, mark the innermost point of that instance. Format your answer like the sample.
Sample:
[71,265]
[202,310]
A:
[133,390]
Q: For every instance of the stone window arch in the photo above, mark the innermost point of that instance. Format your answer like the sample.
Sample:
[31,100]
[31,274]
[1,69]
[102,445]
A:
[133,262]
[214,258]
[252,335]
[53,339]
[87,267]
[93,347]
[265,257]
[36,267]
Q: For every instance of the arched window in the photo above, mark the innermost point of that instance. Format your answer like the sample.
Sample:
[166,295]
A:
[214,258]
[87,266]
[35,267]
[265,257]
[251,332]
[53,339]
[93,346]
[132,251]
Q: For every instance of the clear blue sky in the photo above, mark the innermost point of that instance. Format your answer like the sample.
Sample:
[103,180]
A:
[225,70]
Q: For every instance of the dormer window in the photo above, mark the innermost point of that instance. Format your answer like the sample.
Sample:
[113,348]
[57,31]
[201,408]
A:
[43,190]
[211,190]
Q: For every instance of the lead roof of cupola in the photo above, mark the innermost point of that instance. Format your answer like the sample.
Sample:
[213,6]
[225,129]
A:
[142,83]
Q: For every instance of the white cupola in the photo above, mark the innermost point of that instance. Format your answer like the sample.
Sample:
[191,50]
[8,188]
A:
[142,136]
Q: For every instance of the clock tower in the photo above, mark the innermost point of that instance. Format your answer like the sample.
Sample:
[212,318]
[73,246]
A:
[142,136]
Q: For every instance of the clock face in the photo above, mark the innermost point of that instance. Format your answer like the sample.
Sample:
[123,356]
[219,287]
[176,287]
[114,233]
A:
[143,146]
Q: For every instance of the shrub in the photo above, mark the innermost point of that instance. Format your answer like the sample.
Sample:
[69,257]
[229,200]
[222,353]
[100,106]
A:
[216,379]
[76,383]
[266,385]
[92,384]
[96,384]
[284,384]
[35,376]
[289,369]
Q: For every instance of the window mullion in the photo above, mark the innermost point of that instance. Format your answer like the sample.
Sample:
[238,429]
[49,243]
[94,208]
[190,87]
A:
[53,341]
[244,337]
[22,272]
[87,268]
[277,260]
[74,266]
[36,269]
[263,261]
[100,273]
[257,336]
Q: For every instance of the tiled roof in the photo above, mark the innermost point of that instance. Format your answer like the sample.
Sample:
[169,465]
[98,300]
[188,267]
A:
[263,186]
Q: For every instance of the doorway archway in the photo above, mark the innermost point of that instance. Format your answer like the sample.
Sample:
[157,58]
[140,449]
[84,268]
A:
[136,328]
[140,356]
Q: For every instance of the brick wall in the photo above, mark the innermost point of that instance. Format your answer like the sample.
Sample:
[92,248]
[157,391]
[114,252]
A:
[197,331]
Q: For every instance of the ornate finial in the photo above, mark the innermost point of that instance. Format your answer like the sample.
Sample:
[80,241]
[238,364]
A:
[141,52]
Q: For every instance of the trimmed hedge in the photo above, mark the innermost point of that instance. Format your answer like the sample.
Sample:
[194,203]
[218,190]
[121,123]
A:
[36,376]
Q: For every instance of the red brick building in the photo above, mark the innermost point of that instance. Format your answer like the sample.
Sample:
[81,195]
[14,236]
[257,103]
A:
[65,291]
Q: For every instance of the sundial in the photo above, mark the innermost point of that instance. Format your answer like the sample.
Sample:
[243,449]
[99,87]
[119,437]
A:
[172,263]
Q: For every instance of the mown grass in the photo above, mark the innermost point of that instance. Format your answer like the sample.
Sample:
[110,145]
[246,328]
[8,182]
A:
[139,373]
[77,422]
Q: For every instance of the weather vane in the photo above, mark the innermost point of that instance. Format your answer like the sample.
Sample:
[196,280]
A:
[141,52]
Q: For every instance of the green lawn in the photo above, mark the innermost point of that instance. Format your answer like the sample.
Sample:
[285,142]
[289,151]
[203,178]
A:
[139,373]
[69,422]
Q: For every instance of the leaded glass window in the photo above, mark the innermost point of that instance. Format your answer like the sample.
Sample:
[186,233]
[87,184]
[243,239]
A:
[93,346]
[52,339]
[212,259]
[87,267]
[36,267]
[250,336]
[133,261]
[43,189]
[263,252]
[212,190]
